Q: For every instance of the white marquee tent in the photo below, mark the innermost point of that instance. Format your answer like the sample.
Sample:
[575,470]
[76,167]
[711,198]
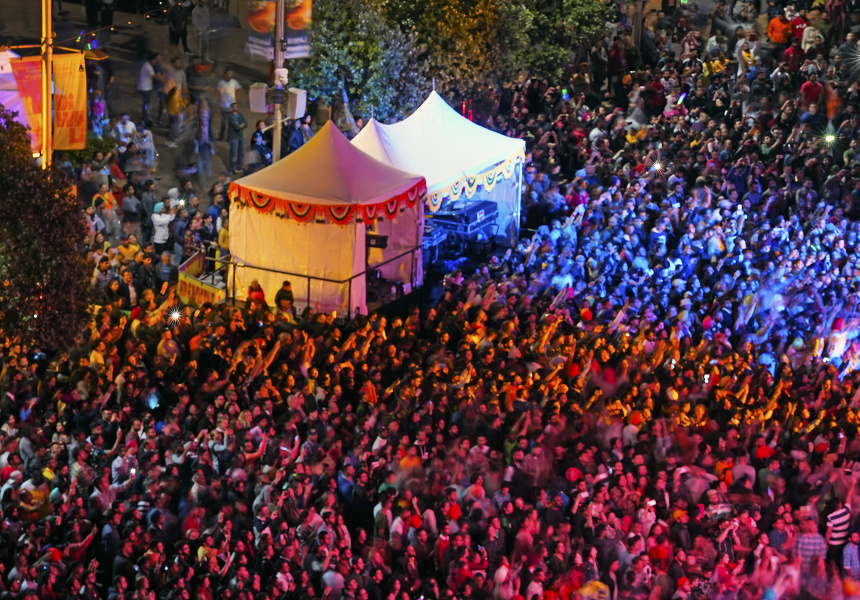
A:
[461,160]
[305,219]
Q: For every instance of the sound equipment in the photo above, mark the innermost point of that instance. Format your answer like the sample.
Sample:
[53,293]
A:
[297,102]
[257,98]
[377,241]
[434,236]
[469,220]
[467,224]
[282,77]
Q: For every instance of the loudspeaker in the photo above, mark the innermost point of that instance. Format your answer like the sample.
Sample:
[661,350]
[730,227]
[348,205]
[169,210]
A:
[297,101]
[377,241]
[257,98]
[281,77]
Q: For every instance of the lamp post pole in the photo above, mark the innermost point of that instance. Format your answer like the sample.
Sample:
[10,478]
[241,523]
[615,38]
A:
[638,20]
[279,64]
[47,76]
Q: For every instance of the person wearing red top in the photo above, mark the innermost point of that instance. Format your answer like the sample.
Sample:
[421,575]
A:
[798,24]
[794,56]
[14,464]
[256,293]
[811,91]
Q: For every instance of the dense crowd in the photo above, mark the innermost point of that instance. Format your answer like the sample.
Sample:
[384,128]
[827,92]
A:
[655,395]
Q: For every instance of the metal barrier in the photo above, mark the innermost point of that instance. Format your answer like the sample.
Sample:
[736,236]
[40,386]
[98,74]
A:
[230,265]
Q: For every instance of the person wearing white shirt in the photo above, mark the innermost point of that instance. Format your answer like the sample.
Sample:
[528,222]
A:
[146,82]
[227,89]
[126,130]
[160,223]
[809,35]
[200,21]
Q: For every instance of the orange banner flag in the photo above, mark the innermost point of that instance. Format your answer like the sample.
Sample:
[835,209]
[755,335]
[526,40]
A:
[70,102]
[28,77]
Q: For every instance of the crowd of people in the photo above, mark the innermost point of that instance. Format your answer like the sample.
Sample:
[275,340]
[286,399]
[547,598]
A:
[654,395]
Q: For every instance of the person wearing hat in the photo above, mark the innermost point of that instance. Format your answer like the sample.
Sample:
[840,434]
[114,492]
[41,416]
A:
[162,216]
[683,589]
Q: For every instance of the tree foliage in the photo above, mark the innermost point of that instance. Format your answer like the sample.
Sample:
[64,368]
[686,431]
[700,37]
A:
[44,280]
[465,41]
[94,144]
[354,49]
[559,28]
[384,53]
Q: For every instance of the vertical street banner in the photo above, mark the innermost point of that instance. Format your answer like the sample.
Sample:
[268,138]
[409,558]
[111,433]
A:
[28,77]
[260,43]
[297,28]
[70,102]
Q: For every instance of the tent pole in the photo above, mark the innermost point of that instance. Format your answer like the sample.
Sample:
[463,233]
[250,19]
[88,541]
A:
[519,201]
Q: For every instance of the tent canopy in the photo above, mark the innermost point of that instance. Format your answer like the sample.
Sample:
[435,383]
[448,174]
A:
[7,78]
[305,219]
[329,171]
[437,142]
[10,97]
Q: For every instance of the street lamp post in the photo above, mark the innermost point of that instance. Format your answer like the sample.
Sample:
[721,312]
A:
[638,20]
[278,94]
[47,75]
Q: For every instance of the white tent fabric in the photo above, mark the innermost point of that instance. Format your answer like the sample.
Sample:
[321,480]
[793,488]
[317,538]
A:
[304,218]
[329,171]
[456,156]
[7,77]
[10,97]
[292,249]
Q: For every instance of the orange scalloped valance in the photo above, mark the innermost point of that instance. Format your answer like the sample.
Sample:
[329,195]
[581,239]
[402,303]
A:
[323,213]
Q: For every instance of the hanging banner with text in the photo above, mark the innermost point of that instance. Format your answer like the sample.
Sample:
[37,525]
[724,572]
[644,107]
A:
[194,291]
[261,29]
[28,77]
[297,28]
[70,102]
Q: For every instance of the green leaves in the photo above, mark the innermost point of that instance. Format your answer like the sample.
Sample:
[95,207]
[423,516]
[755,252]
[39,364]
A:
[466,42]
[44,279]
[386,53]
[357,50]
[94,144]
[559,28]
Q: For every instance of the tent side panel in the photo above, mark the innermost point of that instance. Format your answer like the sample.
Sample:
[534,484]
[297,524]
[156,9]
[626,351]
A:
[306,254]
[405,232]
